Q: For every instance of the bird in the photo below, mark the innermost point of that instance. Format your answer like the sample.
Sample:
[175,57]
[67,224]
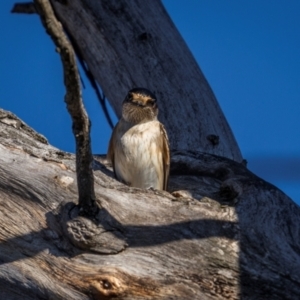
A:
[139,147]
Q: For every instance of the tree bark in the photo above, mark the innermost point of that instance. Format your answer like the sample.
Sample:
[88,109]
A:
[223,234]
[134,43]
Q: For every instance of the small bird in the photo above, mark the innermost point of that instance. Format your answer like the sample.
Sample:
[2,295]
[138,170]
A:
[139,147]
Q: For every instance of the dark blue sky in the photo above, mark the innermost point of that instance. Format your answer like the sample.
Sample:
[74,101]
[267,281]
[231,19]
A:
[248,51]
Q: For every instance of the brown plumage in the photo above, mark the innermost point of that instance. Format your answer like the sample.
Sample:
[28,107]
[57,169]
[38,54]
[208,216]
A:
[139,147]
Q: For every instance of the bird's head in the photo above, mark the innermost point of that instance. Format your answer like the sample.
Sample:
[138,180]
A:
[139,106]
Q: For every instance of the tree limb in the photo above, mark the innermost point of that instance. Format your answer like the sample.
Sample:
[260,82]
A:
[128,44]
[73,99]
[200,244]
[29,8]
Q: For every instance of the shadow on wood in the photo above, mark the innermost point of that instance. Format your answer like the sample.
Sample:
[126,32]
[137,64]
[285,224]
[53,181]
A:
[203,243]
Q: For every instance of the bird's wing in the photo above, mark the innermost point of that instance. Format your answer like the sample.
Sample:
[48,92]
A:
[166,155]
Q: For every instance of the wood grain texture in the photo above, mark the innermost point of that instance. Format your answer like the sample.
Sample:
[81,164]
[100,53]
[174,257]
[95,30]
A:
[223,234]
[134,43]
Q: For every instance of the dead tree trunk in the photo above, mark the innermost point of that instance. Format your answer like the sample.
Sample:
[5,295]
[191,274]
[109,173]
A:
[226,235]
[128,44]
[223,234]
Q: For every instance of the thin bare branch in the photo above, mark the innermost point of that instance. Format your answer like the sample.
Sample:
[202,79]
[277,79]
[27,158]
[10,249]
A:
[92,80]
[29,8]
[73,99]
[100,96]
[24,8]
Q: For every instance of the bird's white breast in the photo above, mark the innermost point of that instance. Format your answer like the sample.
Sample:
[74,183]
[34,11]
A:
[138,155]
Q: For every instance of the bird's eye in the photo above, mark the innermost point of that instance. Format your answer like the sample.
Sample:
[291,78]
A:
[151,102]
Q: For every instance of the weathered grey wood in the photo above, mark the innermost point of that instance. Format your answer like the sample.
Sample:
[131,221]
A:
[226,235]
[133,43]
